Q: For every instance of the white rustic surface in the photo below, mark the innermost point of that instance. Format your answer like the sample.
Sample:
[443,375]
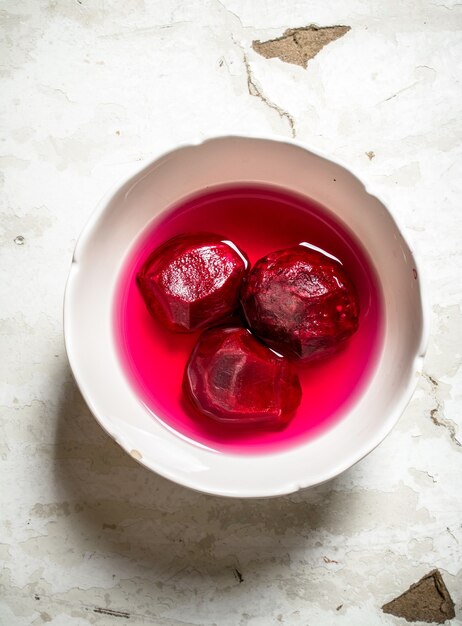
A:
[90,87]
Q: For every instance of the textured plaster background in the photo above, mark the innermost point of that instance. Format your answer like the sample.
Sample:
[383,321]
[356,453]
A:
[91,87]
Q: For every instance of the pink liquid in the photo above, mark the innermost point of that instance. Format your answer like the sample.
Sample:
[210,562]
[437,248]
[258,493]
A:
[258,220]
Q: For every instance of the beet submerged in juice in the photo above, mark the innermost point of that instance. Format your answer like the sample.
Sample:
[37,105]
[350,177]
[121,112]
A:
[259,220]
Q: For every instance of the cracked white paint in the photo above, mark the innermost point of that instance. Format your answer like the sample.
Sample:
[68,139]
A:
[255,90]
[89,89]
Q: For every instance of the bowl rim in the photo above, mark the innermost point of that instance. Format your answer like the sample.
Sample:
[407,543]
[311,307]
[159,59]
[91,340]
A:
[356,455]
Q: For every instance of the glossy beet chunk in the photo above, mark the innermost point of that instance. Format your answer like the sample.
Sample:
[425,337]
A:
[300,302]
[193,281]
[233,378]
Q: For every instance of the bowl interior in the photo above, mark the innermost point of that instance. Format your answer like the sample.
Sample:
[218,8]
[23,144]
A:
[118,222]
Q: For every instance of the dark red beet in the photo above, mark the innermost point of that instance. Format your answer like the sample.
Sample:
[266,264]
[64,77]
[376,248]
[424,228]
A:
[192,281]
[300,302]
[233,378]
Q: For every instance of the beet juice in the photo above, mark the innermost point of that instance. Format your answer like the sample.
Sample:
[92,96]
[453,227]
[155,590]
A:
[260,220]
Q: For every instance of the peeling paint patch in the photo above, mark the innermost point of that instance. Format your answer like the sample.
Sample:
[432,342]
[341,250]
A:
[136,455]
[427,600]
[299,45]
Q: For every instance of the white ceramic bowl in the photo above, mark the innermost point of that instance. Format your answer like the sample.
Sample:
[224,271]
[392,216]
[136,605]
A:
[88,313]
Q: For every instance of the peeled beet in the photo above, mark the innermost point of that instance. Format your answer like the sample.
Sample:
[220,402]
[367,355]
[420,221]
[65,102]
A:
[233,378]
[300,302]
[192,281]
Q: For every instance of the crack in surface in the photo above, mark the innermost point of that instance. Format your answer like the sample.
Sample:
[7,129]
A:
[235,15]
[112,612]
[437,413]
[427,473]
[255,90]
[443,6]
[400,91]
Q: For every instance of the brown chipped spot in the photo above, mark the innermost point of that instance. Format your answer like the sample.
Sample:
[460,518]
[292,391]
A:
[327,560]
[433,381]
[434,417]
[110,526]
[339,607]
[118,132]
[299,45]
[414,271]
[136,455]
[238,576]
[427,600]
[370,155]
